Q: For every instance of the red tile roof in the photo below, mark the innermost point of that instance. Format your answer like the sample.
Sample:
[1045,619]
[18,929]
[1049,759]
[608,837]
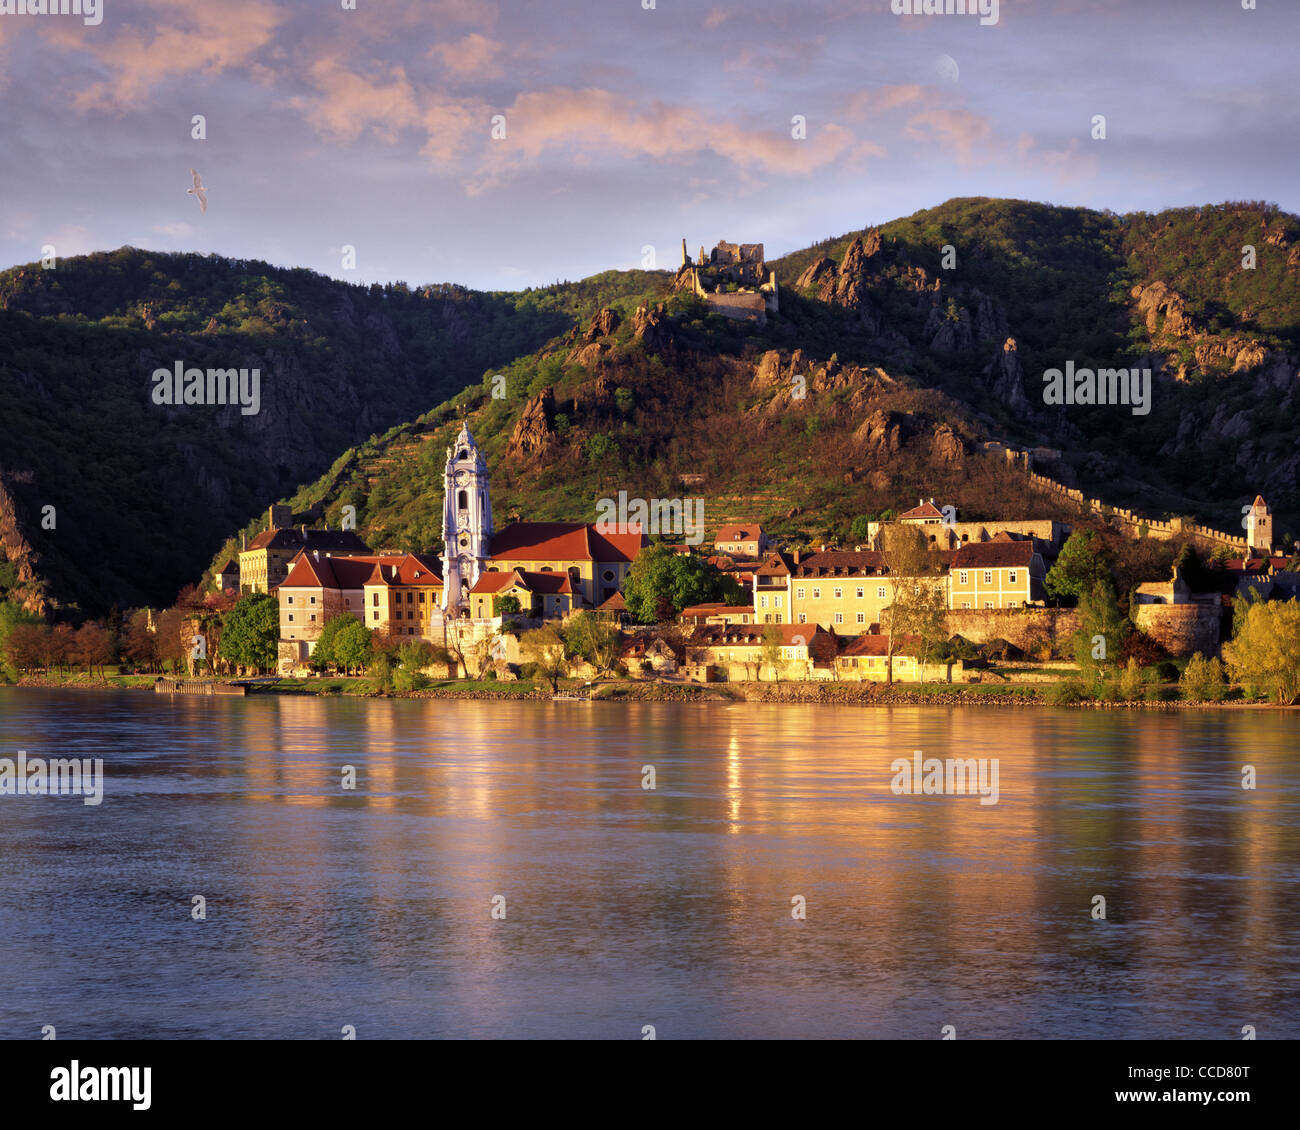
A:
[840,562]
[566,541]
[540,583]
[879,645]
[993,554]
[309,570]
[749,531]
[334,541]
[410,569]
[925,510]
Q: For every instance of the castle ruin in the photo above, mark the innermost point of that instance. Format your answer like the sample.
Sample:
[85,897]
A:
[733,279]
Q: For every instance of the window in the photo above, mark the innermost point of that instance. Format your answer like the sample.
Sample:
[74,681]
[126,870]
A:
[965,603]
[313,617]
[347,601]
[778,617]
[862,617]
[421,596]
[817,594]
[803,618]
[988,576]
[799,593]
[776,602]
[291,601]
[861,592]
[374,599]
[839,594]
[839,617]
[963,577]
[988,604]
[762,602]
[1013,576]
[313,600]
[880,592]
[767,619]
[1013,604]
[409,596]
[290,617]
[462,500]
[374,615]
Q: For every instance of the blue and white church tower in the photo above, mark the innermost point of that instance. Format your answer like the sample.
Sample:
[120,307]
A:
[466,522]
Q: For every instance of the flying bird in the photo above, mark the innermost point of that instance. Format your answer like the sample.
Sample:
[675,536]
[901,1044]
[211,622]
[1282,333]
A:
[198,191]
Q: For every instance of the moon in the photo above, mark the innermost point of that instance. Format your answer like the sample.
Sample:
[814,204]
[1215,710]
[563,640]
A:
[946,68]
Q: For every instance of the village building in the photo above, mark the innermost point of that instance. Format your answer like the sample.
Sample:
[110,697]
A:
[716,613]
[743,541]
[645,653]
[540,596]
[264,562]
[1002,573]
[738,653]
[867,659]
[227,577]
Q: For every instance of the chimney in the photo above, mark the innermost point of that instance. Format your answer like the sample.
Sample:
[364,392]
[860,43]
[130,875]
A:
[243,541]
[796,555]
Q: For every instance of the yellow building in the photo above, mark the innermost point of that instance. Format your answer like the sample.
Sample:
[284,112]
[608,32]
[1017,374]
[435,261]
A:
[1002,573]
[264,562]
[595,562]
[548,596]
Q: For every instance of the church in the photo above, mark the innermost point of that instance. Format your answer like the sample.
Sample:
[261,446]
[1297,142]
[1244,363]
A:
[551,567]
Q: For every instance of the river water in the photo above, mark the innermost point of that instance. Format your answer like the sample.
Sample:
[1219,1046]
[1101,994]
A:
[624,907]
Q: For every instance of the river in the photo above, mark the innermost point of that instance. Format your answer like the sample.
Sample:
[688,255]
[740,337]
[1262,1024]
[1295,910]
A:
[622,906]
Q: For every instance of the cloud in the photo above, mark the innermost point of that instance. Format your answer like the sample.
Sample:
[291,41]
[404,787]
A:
[474,56]
[346,104]
[961,131]
[190,41]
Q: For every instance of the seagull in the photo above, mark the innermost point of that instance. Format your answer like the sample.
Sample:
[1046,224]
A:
[198,191]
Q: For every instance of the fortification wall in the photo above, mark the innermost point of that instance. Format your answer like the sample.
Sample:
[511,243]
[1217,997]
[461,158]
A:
[1033,630]
[1182,628]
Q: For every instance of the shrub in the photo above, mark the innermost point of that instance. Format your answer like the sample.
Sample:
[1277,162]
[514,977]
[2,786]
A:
[1067,693]
[1131,683]
[1202,680]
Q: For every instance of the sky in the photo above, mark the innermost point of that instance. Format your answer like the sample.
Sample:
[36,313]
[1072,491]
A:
[502,144]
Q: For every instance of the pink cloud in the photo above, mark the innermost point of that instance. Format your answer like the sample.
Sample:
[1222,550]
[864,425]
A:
[961,131]
[473,56]
[346,104]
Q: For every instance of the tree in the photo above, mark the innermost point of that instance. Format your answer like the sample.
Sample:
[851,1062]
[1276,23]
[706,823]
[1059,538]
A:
[905,559]
[413,656]
[351,646]
[323,654]
[1202,680]
[1131,682]
[661,582]
[1079,567]
[595,639]
[27,646]
[1265,648]
[505,605]
[92,647]
[545,649]
[770,649]
[1098,644]
[251,632]
[138,642]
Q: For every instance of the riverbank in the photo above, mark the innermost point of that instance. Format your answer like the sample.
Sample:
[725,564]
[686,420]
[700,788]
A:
[640,690]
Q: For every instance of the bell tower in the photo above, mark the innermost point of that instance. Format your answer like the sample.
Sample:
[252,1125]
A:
[1259,526]
[466,521]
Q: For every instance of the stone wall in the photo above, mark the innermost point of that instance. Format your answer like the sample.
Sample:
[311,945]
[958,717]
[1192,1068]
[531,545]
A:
[1030,629]
[1182,628]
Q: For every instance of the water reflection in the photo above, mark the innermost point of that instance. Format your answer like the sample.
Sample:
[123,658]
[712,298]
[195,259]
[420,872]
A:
[624,906]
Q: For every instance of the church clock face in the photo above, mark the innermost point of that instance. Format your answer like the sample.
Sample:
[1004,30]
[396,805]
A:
[462,477]
[464,540]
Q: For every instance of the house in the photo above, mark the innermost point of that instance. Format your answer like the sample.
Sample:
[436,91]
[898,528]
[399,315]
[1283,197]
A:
[717,614]
[866,659]
[227,577]
[739,652]
[923,514]
[615,608]
[1002,573]
[595,563]
[545,596]
[264,562]
[393,593]
[654,650]
[745,541]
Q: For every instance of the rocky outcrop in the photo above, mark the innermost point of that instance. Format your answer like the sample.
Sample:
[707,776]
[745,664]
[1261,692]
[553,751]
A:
[880,435]
[653,328]
[603,324]
[946,333]
[535,430]
[1006,378]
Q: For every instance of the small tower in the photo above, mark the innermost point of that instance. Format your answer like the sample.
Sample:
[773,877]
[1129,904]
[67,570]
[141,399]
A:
[686,259]
[1259,526]
[466,521]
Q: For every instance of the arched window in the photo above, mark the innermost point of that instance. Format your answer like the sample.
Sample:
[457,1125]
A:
[462,500]
[462,454]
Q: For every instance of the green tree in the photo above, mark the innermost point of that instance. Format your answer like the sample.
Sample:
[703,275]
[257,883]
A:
[662,582]
[595,639]
[1202,680]
[1265,648]
[250,632]
[323,655]
[1131,682]
[1079,568]
[505,605]
[351,646]
[907,564]
[770,649]
[544,648]
[1100,638]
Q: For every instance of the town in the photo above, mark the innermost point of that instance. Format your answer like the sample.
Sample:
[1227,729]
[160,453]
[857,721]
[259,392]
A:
[927,597]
